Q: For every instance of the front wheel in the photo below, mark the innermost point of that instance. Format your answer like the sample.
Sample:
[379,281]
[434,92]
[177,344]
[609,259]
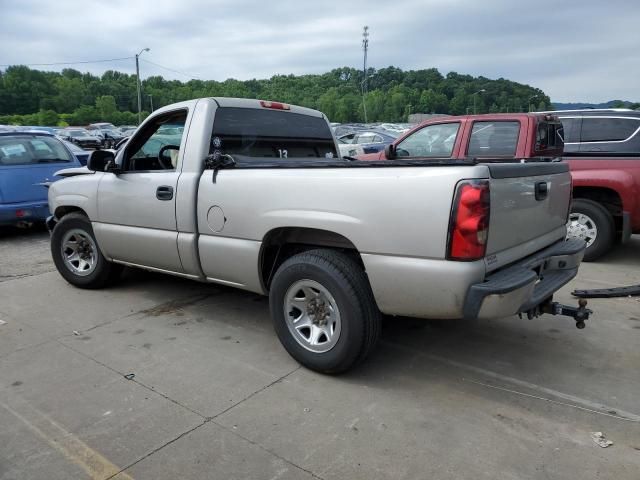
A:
[592,223]
[323,310]
[76,254]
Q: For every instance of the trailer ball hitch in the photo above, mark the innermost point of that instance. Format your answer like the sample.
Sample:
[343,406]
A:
[580,313]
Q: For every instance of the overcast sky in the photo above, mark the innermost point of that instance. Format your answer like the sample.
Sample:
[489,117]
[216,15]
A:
[573,50]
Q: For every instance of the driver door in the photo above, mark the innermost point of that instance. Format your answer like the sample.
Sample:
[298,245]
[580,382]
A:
[136,220]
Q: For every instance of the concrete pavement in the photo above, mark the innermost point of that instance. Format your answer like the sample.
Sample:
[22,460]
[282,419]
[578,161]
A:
[212,394]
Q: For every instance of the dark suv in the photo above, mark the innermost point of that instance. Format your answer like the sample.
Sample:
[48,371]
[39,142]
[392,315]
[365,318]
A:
[614,130]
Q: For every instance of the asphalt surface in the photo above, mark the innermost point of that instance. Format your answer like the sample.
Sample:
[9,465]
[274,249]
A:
[210,392]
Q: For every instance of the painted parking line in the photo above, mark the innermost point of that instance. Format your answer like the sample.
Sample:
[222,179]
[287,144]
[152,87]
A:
[65,442]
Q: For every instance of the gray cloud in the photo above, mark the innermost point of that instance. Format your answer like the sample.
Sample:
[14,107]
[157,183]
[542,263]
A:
[573,50]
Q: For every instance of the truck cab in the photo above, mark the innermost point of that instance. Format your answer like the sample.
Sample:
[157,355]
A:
[507,136]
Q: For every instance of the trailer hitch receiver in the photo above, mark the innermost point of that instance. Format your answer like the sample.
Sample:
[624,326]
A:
[580,313]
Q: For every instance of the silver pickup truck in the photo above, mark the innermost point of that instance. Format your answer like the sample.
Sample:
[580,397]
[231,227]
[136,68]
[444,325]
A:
[253,194]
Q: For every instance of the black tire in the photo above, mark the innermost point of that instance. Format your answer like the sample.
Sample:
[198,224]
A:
[604,224]
[347,283]
[104,272]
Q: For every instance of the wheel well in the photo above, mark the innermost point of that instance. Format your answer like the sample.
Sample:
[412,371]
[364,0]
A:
[62,211]
[606,197]
[282,243]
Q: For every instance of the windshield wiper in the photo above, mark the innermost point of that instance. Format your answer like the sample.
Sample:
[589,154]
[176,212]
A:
[351,159]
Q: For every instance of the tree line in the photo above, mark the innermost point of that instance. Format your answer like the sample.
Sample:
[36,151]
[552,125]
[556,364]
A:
[34,97]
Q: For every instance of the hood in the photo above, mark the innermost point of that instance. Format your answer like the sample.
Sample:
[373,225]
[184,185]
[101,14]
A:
[73,172]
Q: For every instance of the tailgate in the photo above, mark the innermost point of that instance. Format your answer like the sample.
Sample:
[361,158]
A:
[529,207]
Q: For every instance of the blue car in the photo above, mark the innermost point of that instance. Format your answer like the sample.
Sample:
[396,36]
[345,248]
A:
[371,141]
[28,160]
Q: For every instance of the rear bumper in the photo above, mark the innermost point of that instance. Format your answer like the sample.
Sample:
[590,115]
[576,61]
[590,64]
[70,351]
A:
[525,284]
[14,213]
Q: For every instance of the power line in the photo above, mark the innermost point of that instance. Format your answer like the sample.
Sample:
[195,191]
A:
[171,70]
[68,63]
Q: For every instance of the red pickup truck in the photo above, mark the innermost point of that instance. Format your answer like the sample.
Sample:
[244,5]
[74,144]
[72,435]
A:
[606,189]
[511,136]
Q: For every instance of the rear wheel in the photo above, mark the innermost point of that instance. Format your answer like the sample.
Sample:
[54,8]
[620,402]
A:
[592,223]
[323,310]
[76,254]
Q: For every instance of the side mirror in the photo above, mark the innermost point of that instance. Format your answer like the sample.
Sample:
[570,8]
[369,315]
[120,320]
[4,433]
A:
[390,151]
[99,159]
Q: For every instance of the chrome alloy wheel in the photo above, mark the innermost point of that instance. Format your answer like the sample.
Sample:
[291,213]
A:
[583,227]
[79,252]
[312,316]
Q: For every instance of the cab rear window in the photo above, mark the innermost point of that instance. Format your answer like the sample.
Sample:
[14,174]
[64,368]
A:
[549,136]
[270,134]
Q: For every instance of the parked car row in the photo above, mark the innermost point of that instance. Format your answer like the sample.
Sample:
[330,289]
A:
[95,135]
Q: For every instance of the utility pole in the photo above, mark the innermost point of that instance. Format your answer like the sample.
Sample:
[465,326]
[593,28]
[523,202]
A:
[138,84]
[151,101]
[365,47]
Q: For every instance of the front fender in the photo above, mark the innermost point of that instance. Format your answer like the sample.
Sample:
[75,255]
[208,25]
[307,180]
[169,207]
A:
[78,192]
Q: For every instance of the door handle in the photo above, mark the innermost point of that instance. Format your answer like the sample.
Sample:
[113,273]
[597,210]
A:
[542,188]
[164,192]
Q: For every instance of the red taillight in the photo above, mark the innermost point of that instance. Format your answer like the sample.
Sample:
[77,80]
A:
[274,105]
[20,213]
[469,227]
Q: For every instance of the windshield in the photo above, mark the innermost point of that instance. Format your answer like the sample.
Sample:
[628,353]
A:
[76,133]
[25,150]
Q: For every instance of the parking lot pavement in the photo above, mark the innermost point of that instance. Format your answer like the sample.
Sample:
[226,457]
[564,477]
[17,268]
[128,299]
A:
[211,393]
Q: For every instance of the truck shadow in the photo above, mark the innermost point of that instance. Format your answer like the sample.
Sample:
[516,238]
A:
[35,230]
[627,254]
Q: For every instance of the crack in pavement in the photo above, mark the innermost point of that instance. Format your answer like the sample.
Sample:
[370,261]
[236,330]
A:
[572,401]
[8,278]
[204,418]
[122,374]
[256,444]
[211,419]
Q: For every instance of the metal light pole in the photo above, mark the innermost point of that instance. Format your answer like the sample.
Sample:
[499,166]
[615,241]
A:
[138,84]
[151,101]
[365,47]
[474,99]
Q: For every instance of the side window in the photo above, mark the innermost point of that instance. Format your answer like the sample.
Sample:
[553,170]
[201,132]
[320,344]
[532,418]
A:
[348,138]
[431,141]
[157,146]
[602,129]
[365,138]
[571,127]
[493,139]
